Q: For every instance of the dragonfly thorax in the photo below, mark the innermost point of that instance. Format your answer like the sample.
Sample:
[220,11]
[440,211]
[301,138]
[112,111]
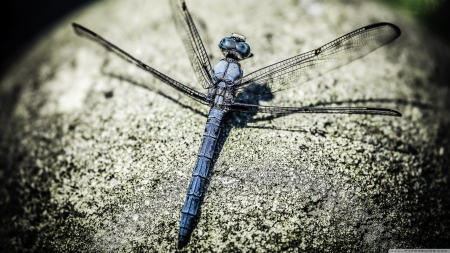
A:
[226,74]
[221,94]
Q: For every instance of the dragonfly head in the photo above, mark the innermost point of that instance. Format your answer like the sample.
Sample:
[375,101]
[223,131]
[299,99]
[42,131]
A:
[235,47]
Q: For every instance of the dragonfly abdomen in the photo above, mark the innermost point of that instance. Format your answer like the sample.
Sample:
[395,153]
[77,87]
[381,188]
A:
[200,176]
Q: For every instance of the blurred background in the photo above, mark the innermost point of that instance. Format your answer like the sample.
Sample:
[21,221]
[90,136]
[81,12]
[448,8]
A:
[24,20]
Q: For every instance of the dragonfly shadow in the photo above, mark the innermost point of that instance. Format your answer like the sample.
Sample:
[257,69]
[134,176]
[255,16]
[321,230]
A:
[252,94]
[378,100]
[148,87]
[256,93]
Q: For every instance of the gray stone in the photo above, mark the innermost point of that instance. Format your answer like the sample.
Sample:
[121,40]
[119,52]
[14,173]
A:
[93,163]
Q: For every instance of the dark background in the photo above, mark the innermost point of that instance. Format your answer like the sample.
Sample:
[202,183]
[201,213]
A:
[23,20]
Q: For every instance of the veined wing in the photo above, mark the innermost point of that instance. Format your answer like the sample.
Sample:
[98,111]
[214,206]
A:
[248,108]
[303,67]
[192,41]
[82,31]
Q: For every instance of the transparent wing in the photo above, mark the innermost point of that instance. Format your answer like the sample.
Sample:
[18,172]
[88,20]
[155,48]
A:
[82,31]
[248,108]
[192,41]
[303,67]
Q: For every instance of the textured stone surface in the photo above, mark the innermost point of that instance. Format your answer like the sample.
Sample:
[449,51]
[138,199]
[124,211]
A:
[91,162]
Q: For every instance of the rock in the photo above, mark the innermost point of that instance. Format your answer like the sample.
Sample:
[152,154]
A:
[92,162]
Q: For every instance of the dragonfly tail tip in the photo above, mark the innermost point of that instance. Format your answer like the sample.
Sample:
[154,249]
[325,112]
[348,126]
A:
[182,241]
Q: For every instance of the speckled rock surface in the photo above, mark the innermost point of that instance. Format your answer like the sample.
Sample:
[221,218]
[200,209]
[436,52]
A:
[91,162]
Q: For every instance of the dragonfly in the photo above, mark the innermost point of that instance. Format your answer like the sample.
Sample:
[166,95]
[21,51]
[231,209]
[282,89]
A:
[226,80]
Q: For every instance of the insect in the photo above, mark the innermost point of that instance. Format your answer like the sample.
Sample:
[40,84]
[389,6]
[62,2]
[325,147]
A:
[226,79]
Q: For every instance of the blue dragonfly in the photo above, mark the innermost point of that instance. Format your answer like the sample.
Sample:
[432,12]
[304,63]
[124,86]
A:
[226,80]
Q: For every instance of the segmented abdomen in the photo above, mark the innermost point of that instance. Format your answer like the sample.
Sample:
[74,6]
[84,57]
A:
[197,187]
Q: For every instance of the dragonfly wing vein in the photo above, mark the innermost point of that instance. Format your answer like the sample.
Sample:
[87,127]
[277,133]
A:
[298,69]
[192,41]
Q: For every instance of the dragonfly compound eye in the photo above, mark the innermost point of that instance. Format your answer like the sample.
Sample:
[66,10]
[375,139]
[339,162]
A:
[243,48]
[227,43]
